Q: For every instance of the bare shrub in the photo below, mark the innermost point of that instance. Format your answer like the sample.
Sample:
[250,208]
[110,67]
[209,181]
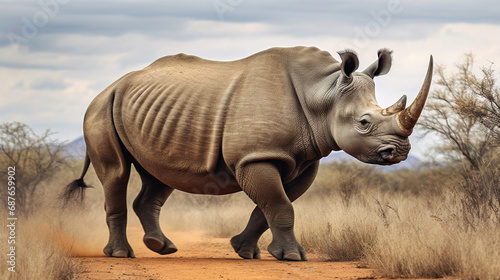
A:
[36,158]
[464,111]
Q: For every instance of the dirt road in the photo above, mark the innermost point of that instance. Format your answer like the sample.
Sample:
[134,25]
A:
[200,257]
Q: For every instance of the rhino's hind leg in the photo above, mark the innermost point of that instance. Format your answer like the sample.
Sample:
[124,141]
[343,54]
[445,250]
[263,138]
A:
[147,206]
[113,170]
[116,219]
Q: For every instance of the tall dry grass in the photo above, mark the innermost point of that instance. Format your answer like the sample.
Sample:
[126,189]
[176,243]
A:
[37,256]
[450,229]
[48,239]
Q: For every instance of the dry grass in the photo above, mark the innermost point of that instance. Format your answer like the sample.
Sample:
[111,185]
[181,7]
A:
[217,216]
[334,231]
[36,255]
[453,232]
[427,240]
[51,236]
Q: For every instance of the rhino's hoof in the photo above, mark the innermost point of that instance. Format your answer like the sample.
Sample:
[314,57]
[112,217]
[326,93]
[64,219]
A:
[292,257]
[287,252]
[162,246]
[119,253]
[246,250]
[250,254]
[122,254]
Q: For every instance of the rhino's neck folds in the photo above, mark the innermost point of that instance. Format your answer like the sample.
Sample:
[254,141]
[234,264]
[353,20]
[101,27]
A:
[314,77]
[333,146]
[320,137]
[326,144]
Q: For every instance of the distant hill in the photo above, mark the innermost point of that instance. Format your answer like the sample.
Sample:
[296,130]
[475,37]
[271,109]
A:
[76,148]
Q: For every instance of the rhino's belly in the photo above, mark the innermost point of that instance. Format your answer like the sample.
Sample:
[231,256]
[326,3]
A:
[215,183]
[187,173]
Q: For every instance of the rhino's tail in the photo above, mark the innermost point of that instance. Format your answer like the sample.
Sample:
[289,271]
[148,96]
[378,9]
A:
[76,189]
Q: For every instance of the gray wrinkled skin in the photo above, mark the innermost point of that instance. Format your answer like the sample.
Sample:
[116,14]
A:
[258,125]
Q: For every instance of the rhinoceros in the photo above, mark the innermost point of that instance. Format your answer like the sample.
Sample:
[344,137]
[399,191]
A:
[259,125]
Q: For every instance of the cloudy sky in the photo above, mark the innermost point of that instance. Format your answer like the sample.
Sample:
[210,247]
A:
[57,55]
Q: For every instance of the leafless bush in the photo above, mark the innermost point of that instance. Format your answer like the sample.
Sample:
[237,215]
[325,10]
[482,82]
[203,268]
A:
[35,157]
[464,111]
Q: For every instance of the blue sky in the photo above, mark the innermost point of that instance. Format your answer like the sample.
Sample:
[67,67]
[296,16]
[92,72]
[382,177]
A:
[57,55]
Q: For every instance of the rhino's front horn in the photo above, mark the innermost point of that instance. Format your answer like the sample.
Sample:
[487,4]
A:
[408,117]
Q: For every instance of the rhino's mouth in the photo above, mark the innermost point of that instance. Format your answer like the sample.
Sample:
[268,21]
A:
[389,154]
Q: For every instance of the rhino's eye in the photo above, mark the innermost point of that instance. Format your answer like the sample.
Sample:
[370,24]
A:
[364,124]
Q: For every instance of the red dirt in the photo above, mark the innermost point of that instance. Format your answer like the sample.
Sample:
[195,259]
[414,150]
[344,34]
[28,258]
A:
[200,257]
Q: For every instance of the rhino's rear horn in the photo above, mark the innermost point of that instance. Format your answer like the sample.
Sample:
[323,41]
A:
[408,117]
[396,108]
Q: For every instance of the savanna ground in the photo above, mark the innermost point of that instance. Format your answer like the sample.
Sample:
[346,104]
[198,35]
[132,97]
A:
[355,222]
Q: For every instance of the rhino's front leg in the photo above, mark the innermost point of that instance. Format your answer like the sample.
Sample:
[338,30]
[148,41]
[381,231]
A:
[262,183]
[245,243]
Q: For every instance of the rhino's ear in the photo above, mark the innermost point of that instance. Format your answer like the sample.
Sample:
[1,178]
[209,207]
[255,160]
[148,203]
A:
[381,66]
[349,64]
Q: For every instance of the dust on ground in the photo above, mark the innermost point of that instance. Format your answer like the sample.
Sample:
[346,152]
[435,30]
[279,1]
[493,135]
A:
[201,257]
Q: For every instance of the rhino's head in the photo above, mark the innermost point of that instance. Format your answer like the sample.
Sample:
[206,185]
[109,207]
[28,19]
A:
[363,129]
